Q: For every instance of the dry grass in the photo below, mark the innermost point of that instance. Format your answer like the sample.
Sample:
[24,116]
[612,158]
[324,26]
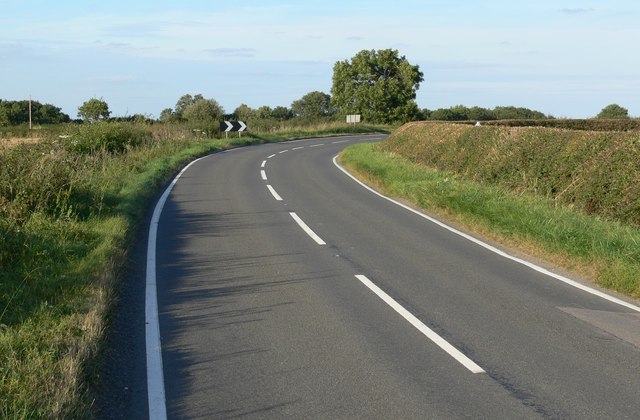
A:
[14,141]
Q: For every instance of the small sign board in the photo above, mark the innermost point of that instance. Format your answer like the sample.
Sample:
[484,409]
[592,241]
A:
[227,126]
[352,119]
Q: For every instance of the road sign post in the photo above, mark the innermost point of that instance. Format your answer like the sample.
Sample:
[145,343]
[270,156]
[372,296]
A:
[353,119]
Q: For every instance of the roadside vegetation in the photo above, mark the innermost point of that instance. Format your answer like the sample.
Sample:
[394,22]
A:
[569,197]
[70,205]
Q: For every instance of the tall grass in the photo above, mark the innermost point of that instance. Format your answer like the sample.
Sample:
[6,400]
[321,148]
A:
[70,205]
[606,250]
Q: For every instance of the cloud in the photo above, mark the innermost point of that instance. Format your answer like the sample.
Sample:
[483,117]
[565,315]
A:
[114,78]
[576,11]
[231,52]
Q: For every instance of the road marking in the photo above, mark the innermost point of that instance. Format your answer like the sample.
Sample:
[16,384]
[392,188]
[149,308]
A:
[269,157]
[428,332]
[274,193]
[284,151]
[298,148]
[155,373]
[307,229]
[496,250]
[317,145]
[263,174]
[264,162]
[341,141]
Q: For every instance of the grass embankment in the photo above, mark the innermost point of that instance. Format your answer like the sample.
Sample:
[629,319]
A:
[567,197]
[69,208]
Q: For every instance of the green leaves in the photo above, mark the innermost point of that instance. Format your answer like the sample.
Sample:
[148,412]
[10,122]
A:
[94,110]
[379,85]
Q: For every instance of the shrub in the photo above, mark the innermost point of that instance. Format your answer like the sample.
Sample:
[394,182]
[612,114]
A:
[107,136]
[593,171]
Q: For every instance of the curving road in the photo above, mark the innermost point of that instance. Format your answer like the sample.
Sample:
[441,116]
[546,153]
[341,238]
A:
[286,289]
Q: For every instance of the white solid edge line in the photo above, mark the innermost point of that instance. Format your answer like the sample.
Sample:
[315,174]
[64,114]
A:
[264,162]
[419,325]
[274,193]
[496,250]
[263,175]
[307,229]
[155,374]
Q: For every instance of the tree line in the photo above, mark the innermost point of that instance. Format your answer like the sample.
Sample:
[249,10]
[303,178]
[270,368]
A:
[380,85]
[17,112]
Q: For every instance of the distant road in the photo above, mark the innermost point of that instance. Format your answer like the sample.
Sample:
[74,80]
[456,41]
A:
[286,289]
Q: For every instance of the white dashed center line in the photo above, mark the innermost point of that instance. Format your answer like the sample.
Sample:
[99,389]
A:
[307,229]
[274,193]
[431,335]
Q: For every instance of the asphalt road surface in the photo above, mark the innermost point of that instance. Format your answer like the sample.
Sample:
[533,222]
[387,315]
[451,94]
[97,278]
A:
[287,289]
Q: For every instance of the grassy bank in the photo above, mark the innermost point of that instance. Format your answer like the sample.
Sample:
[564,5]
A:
[606,251]
[69,209]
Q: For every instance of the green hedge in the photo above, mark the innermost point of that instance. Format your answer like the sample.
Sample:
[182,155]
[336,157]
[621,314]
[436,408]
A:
[589,125]
[597,172]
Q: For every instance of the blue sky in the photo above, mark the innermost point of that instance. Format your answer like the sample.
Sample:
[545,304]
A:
[568,58]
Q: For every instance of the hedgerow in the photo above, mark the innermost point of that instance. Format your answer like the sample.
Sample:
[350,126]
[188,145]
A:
[596,172]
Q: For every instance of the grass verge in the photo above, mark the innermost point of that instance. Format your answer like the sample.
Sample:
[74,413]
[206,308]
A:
[68,216]
[607,252]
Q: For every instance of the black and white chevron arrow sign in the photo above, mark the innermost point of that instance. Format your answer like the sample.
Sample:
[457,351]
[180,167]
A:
[233,126]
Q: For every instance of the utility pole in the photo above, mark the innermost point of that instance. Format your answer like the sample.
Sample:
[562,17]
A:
[29,112]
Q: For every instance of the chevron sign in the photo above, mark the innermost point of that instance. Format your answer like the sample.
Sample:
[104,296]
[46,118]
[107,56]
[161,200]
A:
[227,126]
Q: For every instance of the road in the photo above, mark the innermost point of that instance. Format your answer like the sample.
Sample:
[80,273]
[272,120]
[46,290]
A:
[286,289]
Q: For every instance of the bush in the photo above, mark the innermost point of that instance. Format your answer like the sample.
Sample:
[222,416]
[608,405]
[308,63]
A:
[105,136]
[593,171]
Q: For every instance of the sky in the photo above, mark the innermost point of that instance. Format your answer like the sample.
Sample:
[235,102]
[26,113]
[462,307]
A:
[566,58]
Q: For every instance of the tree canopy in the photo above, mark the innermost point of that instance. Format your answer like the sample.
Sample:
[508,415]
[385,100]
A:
[614,111]
[203,111]
[184,102]
[312,105]
[379,85]
[476,113]
[94,110]
[17,112]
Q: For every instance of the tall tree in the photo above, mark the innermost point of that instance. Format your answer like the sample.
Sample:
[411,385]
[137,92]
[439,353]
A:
[184,102]
[243,112]
[94,110]
[205,111]
[380,85]
[312,105]
[281,113]
[614,111]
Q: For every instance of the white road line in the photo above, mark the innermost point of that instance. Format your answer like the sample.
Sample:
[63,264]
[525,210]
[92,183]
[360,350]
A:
[270,156]
[263,175]
[264,162]
[496,250]
[431,335]
[307,229]
[317,145]
[283,151]
[155,374]
[341,141]
[298,148]
[274,193]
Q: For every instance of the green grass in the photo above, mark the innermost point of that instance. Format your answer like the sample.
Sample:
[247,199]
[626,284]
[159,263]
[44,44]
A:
[68,216]
[607,251]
